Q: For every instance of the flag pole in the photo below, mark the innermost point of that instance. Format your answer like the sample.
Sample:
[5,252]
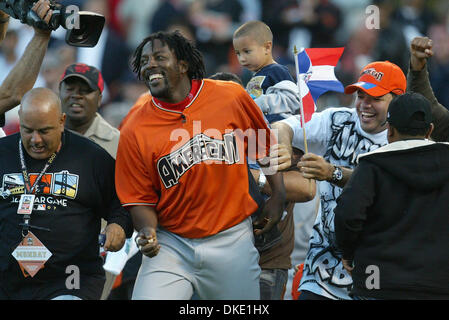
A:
[298,81]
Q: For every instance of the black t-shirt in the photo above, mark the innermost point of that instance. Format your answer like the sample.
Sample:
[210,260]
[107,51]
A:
[76,191]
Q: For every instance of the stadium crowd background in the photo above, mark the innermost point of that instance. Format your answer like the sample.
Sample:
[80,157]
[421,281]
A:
[211,23]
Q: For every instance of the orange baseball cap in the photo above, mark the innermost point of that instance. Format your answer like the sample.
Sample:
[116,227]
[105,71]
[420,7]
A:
[379,78]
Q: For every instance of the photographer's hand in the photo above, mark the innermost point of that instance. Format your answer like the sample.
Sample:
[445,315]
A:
[4,19]
[23,76]
[43,10]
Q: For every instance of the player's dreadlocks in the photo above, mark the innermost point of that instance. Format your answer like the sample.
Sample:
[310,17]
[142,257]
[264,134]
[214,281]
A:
[183,49]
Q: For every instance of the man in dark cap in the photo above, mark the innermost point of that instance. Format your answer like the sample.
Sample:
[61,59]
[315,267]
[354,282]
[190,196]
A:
[391,219]
[80,91]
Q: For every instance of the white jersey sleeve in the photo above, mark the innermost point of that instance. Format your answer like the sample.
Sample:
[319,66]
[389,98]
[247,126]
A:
[2,133]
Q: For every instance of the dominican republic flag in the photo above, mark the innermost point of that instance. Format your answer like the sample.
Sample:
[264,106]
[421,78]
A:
[315,76]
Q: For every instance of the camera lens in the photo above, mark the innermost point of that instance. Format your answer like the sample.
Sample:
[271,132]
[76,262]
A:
[80,33]
[88,32]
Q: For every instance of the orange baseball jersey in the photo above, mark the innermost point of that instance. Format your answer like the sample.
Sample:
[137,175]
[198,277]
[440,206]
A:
[192,165]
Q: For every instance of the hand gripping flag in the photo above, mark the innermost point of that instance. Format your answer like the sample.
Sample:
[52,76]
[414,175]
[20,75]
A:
[315,76]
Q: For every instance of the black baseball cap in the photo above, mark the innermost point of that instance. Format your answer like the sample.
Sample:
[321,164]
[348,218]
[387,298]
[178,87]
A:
[403,110]
[88,73]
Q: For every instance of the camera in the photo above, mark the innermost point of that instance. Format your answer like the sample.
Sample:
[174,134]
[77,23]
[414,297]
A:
[83,27]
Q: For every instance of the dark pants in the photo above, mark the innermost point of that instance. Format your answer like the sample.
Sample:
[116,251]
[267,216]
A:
[272,284]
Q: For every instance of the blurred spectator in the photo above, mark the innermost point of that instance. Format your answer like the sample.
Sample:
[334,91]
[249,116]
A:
[13,46]
[319,20]
[131,90]
[67,54]
[183,26]
[391,43]
[8,56]
[415,17]
[215,22]
[357,54]
[281,16]
[51,70]
[353,13]
[110,55]
[252,10]
[115,22]
[11,49]
[58,57]
[167,11]
[322,21]
[134,16]
[439,64]
[304,24]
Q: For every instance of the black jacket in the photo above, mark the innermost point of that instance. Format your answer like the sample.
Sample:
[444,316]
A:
[74,194]
[394,214]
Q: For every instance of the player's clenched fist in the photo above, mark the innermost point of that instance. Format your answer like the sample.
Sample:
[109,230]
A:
[147,243]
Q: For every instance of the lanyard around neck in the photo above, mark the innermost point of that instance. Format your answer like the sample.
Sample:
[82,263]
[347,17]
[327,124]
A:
[26,178]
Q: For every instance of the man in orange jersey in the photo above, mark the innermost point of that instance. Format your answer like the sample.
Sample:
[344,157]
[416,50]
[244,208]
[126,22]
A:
[182,171]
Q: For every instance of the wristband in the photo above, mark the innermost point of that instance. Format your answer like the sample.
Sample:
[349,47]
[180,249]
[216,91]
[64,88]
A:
[4,20]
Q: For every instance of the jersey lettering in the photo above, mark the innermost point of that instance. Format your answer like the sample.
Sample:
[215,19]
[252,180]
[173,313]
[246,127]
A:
[199,149]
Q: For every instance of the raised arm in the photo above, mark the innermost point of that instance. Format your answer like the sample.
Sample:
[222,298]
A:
[24,74]
[418,81]
[4,21]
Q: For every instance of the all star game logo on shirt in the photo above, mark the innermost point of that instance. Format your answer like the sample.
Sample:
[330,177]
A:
[52,190]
